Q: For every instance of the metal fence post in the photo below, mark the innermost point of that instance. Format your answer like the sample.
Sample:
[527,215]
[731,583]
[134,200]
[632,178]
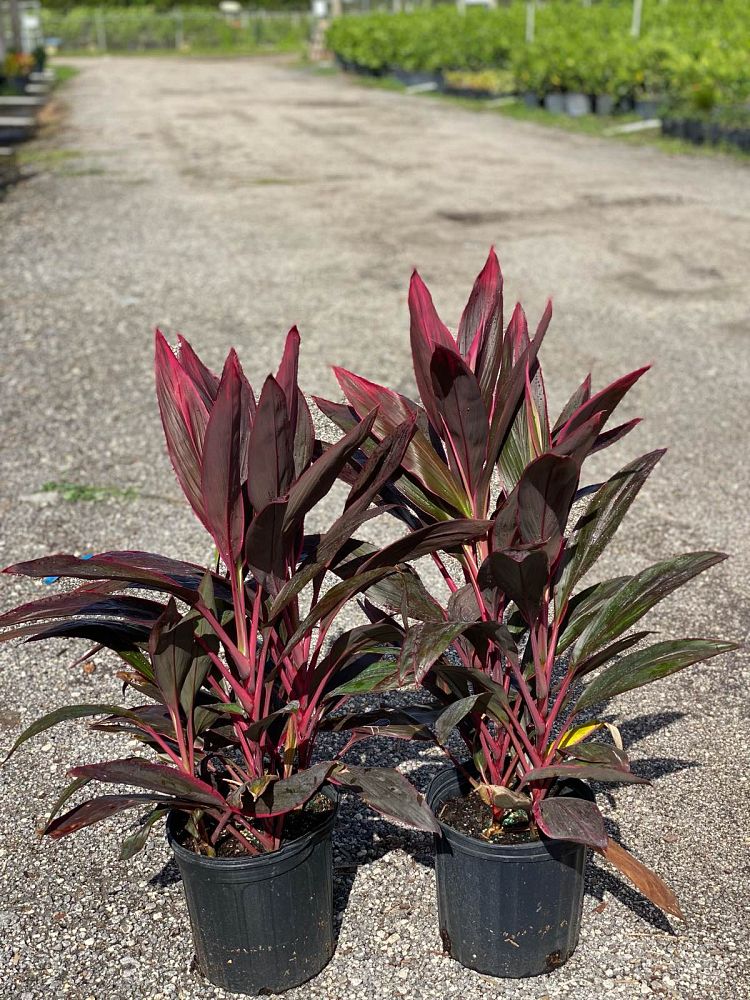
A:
[2,31]
[179,29]
[530,20]
[16,40]
[101,31]
[635,25]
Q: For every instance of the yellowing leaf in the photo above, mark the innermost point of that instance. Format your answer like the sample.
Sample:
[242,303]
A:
[586,729]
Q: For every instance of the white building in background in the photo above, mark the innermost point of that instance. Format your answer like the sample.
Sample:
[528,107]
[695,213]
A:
[30,24]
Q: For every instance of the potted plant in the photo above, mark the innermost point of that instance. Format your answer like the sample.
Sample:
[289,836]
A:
[17,67]
[235,684]
[506,655]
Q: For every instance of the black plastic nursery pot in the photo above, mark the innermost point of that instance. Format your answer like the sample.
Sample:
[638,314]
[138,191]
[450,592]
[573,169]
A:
[261,924]
[506,910]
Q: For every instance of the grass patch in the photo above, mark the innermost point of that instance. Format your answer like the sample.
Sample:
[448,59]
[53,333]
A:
[64,73]
[76,492]
[47,157]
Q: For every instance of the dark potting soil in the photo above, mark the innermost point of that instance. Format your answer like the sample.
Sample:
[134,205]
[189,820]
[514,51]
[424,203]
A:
[470,816]
[296,825]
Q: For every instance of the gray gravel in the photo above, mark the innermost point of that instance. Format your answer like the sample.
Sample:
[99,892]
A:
[228,200]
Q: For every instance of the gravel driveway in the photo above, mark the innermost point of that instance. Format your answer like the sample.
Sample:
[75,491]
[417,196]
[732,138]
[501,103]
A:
[228,200]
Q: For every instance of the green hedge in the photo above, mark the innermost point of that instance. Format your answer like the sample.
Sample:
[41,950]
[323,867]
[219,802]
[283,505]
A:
[283,5]
[698,50]
[135,29]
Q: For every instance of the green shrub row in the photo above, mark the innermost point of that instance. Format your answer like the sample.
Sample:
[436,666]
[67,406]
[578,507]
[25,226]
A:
[283,5]
[139,28]
[697,49]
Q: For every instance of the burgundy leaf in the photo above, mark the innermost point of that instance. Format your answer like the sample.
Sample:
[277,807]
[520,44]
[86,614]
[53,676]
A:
[282,796]
[382,464]
[545,495]
[389,792]
[220,473]
[427,333]
[95,810]
[513,392]
[172,651]
[317,480]
[604,401]
[132,568]
[184,416]
[481,322]
[304,436]
[424,644]
[153,777]
[464,416]
[441,536]
[579,397]
[271,468]
[581,441]
[420,458]
[616,434]
[520,574]
[563,817]
[204,380]
[287,375]
[89,600]
[266,552]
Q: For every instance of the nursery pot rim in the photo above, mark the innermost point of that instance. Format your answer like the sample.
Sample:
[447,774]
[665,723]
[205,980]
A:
[259,866]
[439,791]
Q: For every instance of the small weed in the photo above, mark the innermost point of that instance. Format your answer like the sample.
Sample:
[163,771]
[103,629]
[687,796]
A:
[76,492]
[47,157]
[65,73]
[270,181]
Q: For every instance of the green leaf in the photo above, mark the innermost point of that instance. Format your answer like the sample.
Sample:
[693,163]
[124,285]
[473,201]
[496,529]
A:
[66,793]
[137,841]
[379,676]
[650,664]
[583,607]
[602,518]
[595,772]
[597,753]
[424,644]
[455,713]
[65,714]
[629,604]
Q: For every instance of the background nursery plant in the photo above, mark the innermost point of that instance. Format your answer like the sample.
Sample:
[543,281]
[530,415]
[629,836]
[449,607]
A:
[506,655]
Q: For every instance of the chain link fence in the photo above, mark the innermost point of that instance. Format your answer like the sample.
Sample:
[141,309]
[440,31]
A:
[139,29]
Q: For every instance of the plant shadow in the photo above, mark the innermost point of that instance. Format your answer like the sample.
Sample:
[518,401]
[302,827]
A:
[633,730]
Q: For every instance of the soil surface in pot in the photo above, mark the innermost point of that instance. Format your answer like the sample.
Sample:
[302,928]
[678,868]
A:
[296,825]
[470,816]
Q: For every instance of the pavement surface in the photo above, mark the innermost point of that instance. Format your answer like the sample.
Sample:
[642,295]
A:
[228,200]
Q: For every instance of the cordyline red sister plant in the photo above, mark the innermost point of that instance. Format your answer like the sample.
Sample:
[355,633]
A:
[240,682]
[505,656]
